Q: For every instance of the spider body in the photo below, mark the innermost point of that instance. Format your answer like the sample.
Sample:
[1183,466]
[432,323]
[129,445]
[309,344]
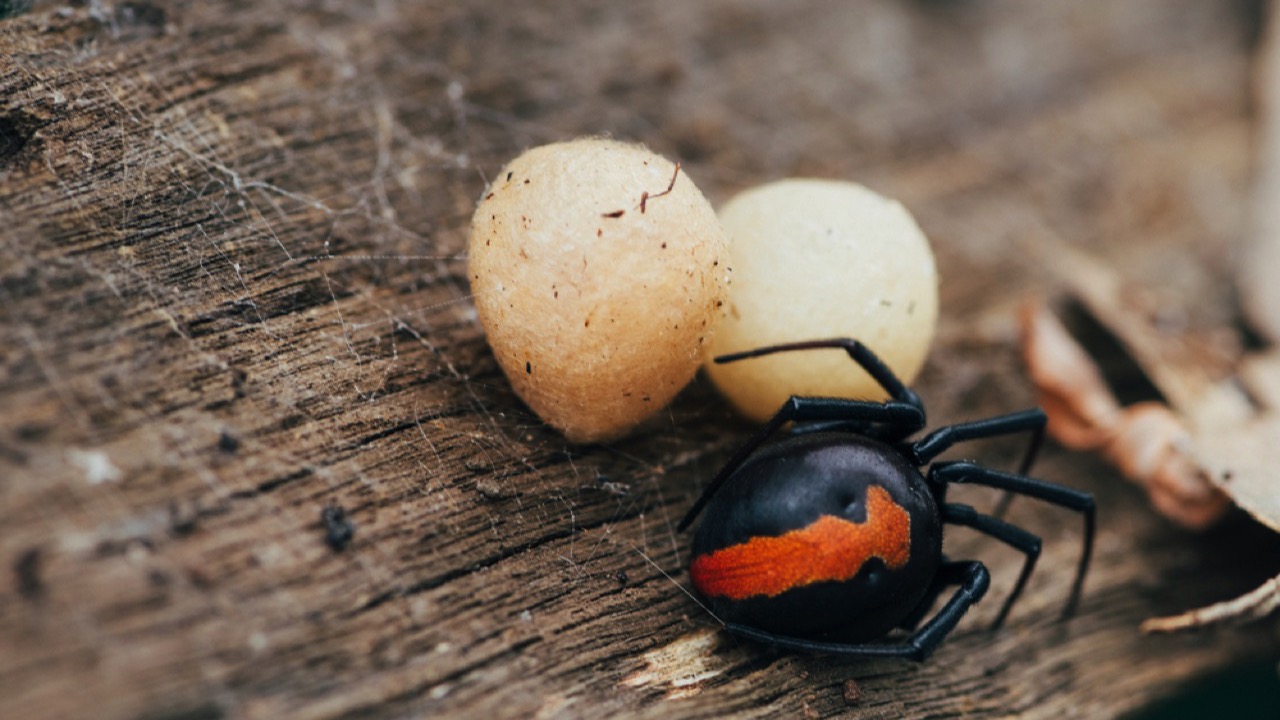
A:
[831,538]
[822,533]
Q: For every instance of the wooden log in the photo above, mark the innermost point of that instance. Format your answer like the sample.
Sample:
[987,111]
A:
[233,293]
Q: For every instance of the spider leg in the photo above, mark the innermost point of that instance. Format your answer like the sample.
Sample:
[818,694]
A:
[807,409]
[937,442]
[861,354]
[1078,500]
[973,580]
[1033,421]
[1011,535]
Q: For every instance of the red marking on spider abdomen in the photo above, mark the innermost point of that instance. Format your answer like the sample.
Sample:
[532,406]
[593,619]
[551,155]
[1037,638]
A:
[829,548]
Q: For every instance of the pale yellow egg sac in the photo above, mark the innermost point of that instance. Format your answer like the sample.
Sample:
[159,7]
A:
[818,259]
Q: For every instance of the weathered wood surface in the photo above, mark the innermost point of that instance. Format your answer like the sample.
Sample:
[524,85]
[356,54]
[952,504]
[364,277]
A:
[232,292]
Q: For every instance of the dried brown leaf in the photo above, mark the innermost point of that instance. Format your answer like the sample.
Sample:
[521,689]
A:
[1147,442]
[1244,461]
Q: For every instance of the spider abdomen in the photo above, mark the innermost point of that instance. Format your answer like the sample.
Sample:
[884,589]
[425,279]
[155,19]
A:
[826,535]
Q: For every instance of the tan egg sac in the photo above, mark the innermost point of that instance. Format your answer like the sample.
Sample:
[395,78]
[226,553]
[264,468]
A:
[818,259]
[599,272]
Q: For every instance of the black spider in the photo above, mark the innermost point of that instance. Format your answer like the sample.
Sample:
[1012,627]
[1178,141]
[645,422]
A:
[832,537]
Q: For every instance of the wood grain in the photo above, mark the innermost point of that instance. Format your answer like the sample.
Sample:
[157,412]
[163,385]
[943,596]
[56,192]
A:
[232,292]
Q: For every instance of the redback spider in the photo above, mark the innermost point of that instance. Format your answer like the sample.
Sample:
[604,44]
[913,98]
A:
[832,537]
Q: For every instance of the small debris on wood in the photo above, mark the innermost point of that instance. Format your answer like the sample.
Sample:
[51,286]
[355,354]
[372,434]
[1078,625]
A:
[611,487]
[199,578]
[852,693]
[228,443]
[477,464]
[97,466]
[26,570]
[239,383]
[183,517]
[338,528]
[491,489]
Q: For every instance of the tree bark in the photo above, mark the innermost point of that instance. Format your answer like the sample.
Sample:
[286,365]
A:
[233,292]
